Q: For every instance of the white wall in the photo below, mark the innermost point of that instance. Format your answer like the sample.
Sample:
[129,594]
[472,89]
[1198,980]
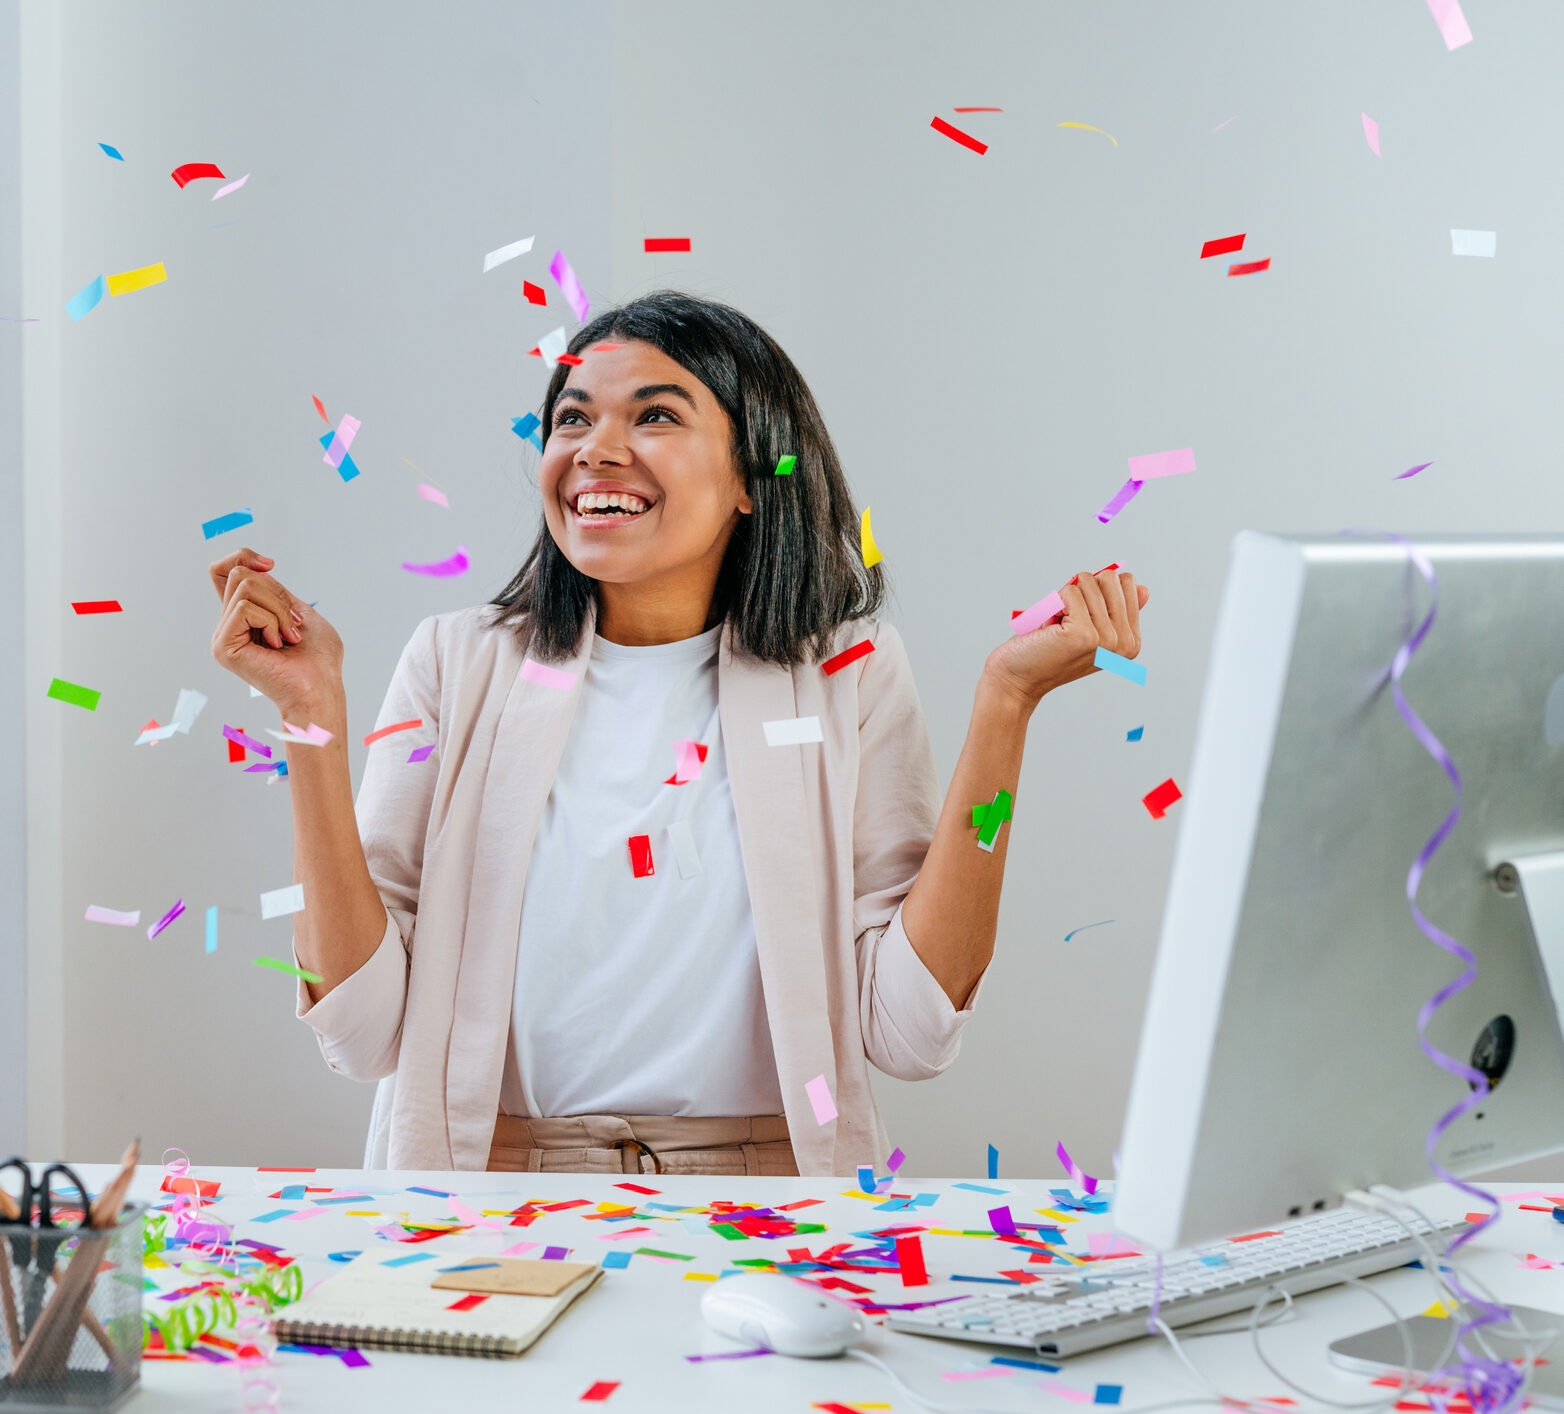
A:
[991,337]
[390,149]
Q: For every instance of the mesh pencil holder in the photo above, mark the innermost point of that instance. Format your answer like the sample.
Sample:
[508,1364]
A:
[70,1315]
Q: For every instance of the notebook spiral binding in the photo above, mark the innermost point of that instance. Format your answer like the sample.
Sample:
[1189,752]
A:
[390,1338]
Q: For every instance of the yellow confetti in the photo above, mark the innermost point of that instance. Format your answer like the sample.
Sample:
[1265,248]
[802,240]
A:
[365,1214]
[153,1261]
[1089,128]
[128,280]
[854,1193]
[871,551]
[1055,1214]
[700,1276]
[1441,1309]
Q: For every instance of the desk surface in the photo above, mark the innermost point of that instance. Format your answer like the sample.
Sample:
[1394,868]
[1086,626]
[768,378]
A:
[640,1322]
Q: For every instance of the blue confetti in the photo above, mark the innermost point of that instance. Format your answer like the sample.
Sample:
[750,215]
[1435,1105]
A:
[1134,734]
[112,151]
[87,299]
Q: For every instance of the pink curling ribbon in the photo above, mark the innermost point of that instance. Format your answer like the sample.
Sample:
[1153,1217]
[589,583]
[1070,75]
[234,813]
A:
[1083,1180]
[210,1239]
[1491,1385]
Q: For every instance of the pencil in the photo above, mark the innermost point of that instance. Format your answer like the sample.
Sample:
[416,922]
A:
[106,1206]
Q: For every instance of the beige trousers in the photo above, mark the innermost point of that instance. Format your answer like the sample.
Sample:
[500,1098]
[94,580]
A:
[718,1146]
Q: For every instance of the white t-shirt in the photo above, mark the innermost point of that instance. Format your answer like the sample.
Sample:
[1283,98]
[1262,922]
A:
[639,996]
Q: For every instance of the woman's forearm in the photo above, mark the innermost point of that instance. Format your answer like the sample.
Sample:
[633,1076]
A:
[343,919]
[952,913]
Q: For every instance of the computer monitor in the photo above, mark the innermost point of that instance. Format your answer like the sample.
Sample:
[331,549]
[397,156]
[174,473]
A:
[1279,1064]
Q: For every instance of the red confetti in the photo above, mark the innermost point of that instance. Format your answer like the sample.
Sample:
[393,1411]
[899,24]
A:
[369,740]
[1224,246]
[636,1188]
[909,1257]
[570,359]
[846,656]
[977,110]
[97,606]
[203,1187]
[956,135]
[473,1298]
[1021,1276]
[641,856]
[278,1170]
[656,244]
[1157,801]
[601,1390]
[191,170]
[1253,267]
[535,293]
[605,347]
[235,750]
[320,407]
[1255,1236]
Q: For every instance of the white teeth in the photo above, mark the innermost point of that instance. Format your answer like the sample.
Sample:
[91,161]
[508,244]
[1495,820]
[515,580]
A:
[598,500]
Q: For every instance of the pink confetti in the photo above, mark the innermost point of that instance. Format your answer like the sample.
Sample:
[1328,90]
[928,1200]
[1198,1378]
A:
[347,430]
[820,1097]
[112,915]
[443,569]
[1162,464]
[546,676]
[1413,471]
[569,286]
[1045,610]
[688,758]
[1452,23]
[1371,132]
[232,186]
[431,493]
[518,1249]
[1125,494]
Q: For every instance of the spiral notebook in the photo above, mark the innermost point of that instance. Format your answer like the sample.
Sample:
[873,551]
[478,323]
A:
[483,1306]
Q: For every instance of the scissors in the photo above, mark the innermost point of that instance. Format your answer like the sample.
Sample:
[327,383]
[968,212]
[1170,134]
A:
[36,1203]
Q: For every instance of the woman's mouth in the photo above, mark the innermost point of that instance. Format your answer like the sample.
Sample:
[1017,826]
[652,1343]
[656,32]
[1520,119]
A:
[597,510]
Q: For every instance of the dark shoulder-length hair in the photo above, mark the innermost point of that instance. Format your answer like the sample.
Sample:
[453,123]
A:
[793,570]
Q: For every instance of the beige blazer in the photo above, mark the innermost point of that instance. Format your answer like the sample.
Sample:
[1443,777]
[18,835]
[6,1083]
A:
[832,835]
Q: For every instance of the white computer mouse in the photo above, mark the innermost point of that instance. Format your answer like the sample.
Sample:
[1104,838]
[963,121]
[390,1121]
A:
[787,1316]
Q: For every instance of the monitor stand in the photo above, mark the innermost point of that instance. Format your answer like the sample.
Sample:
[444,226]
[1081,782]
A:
[1539,880]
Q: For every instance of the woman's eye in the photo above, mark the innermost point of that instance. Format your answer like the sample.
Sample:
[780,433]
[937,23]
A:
[565,417]
[660,412]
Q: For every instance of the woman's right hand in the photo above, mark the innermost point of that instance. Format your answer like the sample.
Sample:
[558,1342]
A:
[275,642]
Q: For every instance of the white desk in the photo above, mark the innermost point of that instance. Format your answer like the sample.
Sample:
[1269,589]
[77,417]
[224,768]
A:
[639,1323]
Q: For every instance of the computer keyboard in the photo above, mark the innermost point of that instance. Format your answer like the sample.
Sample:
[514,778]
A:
[1108,1301]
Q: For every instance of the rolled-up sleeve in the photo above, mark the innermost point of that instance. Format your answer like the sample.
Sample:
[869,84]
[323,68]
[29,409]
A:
[359,1022]
[910,1028]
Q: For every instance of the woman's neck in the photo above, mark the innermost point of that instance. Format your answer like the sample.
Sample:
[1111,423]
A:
[635,617]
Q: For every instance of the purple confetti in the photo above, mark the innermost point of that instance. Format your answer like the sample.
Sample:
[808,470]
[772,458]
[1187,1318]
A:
[731,1355]
[569,286]
[1413,471]
[1126,494]
[420,753]
[165,920]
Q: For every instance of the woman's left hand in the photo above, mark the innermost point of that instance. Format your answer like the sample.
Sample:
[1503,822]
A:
[1100,611]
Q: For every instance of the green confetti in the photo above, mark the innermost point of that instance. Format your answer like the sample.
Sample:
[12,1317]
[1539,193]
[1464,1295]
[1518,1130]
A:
[75,694]
[786,465]
[730,1232]
[278,965]
[995,813]
[657,1252]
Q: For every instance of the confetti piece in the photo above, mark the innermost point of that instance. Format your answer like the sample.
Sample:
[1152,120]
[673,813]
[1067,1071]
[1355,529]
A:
[347,430]
[1158,800]
[571,360]
[278,965]
[993,1162]
[375,736]
[685,854]
[165,920]
[191,171]
[689,756]
[614,1260]
[307,736]
[546,676]
[535,294]
[909,1258]
[279,902]
[641,856]
[248,742]
[555,1254]
[527,429]
[551,345]
[1122,497]
[666,244]
[506,252]
[1453,28]
[866,1178]
[956,135]
[1089,128]
[442,569]
[995,813]
[1371,134]
[1251,267]
[601,1390]
[466,1303]
[871,552]
[431,493]
[348,468]
[569,285]
[114,916]
[1084,927]
[74,694]
[1107,1394]
[128,281]
[420,753]
[97,606]
[820,1097]
[1134,734]
[232,186]
[211,929]
[112,151]
[232,521]
[1000,1220]
[1484,243]
[792,731]
[977,110]
[1156,464]
[605,347]
[861,649]
[86,299]
[785,466]
[1077,1177]
[1223,245]
[1044,611]
[1125,668]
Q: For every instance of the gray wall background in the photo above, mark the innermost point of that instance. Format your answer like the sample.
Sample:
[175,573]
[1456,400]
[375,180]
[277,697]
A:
[990,338]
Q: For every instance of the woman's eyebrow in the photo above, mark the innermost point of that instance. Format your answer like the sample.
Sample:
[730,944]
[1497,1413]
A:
[652,390]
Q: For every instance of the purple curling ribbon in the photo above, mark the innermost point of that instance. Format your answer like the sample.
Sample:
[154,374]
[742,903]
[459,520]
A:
[1491,1385]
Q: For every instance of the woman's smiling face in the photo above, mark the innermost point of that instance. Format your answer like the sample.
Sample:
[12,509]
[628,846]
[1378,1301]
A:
[632,424]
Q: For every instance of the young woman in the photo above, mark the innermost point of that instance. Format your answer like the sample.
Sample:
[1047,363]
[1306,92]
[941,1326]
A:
[559,945]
